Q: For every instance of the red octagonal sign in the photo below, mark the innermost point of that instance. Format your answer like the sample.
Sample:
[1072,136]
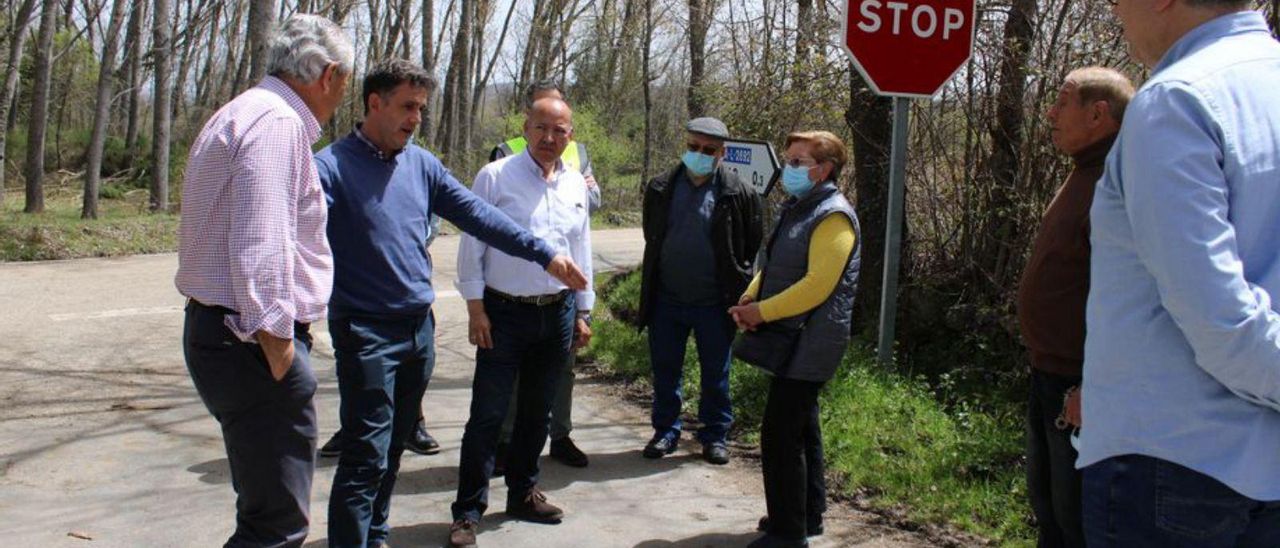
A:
[908,48]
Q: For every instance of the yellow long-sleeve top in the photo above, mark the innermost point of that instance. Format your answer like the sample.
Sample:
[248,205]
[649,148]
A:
[829,248]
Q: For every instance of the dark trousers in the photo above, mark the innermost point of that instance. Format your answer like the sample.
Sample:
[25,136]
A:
[713,333]
[533,342]
[795,486]
[383,364]
[561,407]
[1135,501]
[1053,483]
[268,426]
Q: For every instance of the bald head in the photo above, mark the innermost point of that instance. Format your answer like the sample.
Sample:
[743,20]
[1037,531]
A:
[548,127]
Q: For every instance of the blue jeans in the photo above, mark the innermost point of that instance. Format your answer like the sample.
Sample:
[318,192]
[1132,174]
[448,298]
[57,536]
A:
[1136,501]
[713,333]
[383,366]
[268,426]
[532,342]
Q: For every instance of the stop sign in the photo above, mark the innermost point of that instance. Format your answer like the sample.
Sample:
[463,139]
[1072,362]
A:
[908,48]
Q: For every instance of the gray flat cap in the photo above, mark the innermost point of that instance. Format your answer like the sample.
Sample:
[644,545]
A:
[708,126]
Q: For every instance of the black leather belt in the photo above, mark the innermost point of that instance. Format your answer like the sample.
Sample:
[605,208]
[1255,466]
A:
[212,307]
[535,300]
[305,327]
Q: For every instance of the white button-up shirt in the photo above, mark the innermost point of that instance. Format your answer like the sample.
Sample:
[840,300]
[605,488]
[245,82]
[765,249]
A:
[554,210]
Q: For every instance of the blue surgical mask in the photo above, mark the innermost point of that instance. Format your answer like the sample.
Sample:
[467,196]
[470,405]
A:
[795,181]
[698,163]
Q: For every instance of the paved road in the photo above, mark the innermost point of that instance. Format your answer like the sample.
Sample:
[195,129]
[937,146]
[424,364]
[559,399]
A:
[102,435]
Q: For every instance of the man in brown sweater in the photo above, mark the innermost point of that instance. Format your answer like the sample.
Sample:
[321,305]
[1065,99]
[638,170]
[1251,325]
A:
[1085,119]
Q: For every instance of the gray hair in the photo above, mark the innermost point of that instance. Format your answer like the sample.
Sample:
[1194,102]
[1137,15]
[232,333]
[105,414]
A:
[303,45]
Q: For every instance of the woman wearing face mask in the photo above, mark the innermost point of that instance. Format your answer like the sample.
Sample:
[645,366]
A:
[806,288]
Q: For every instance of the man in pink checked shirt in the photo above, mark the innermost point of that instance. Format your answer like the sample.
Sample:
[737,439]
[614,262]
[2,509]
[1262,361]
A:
[257,270]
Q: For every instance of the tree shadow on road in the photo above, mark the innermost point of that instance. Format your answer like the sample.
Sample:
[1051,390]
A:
[554,476]
[427,534]
[706,540]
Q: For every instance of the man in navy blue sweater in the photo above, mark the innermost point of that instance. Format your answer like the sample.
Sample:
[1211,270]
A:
[382,191]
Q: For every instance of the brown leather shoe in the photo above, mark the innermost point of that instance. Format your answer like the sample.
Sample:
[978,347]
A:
[462,534]
[534,507]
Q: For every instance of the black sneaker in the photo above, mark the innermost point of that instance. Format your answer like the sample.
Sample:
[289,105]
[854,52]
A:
[333,447]
[565,451]
[420,441]
[659,447]
[715,452]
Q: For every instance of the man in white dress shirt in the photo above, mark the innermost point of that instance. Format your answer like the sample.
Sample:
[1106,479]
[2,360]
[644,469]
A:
[521,319]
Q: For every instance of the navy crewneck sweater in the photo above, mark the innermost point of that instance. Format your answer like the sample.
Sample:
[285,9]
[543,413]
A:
[379,212]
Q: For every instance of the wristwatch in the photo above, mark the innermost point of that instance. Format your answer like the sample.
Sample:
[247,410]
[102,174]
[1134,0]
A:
[585,316]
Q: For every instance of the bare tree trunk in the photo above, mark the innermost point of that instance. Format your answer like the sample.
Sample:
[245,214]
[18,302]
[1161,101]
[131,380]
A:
[92,172]
[190,30]
[39,115]
[804,26]
[463,101]
[488,70]
[134,39]
[262,16]
[530,51]
[995,254]
[205,85]
[456,99]
[161,49]
[18,29]
[700,12]
[870,120]
[398,36]
[425,128]
[648,94]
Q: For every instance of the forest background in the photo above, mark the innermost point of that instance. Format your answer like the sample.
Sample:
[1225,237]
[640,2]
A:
[100,100]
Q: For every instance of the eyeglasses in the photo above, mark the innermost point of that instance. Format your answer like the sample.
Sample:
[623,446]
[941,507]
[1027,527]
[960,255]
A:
[799,162]
[558,132]
[709,150]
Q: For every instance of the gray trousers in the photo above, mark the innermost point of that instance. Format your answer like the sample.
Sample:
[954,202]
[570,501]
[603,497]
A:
[561,408]
[268,426]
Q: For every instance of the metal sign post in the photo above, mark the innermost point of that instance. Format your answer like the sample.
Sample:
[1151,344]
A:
[893,228]
[904,49]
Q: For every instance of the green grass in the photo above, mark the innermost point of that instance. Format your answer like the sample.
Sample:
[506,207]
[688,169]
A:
[889,439]
[123,227]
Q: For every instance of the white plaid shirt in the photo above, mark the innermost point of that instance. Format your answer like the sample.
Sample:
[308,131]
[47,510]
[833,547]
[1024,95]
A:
[252,237]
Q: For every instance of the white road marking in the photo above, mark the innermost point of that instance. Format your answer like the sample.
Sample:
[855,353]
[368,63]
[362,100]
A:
[117,313]
[157,310]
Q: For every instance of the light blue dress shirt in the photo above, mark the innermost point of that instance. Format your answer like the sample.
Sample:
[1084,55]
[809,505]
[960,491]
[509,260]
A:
[1182,358]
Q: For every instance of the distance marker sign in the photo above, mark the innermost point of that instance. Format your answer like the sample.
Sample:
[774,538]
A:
[908,48]
[753,161]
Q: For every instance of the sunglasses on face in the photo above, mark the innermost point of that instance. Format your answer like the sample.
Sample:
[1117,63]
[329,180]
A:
[709,150]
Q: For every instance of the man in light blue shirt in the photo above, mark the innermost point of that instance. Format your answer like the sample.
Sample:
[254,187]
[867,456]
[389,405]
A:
[1181,429]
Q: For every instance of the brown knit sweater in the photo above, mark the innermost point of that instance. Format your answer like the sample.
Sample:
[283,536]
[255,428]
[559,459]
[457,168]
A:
[1055,283]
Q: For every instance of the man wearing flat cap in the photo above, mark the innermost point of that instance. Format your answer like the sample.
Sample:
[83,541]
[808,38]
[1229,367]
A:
[702,228]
